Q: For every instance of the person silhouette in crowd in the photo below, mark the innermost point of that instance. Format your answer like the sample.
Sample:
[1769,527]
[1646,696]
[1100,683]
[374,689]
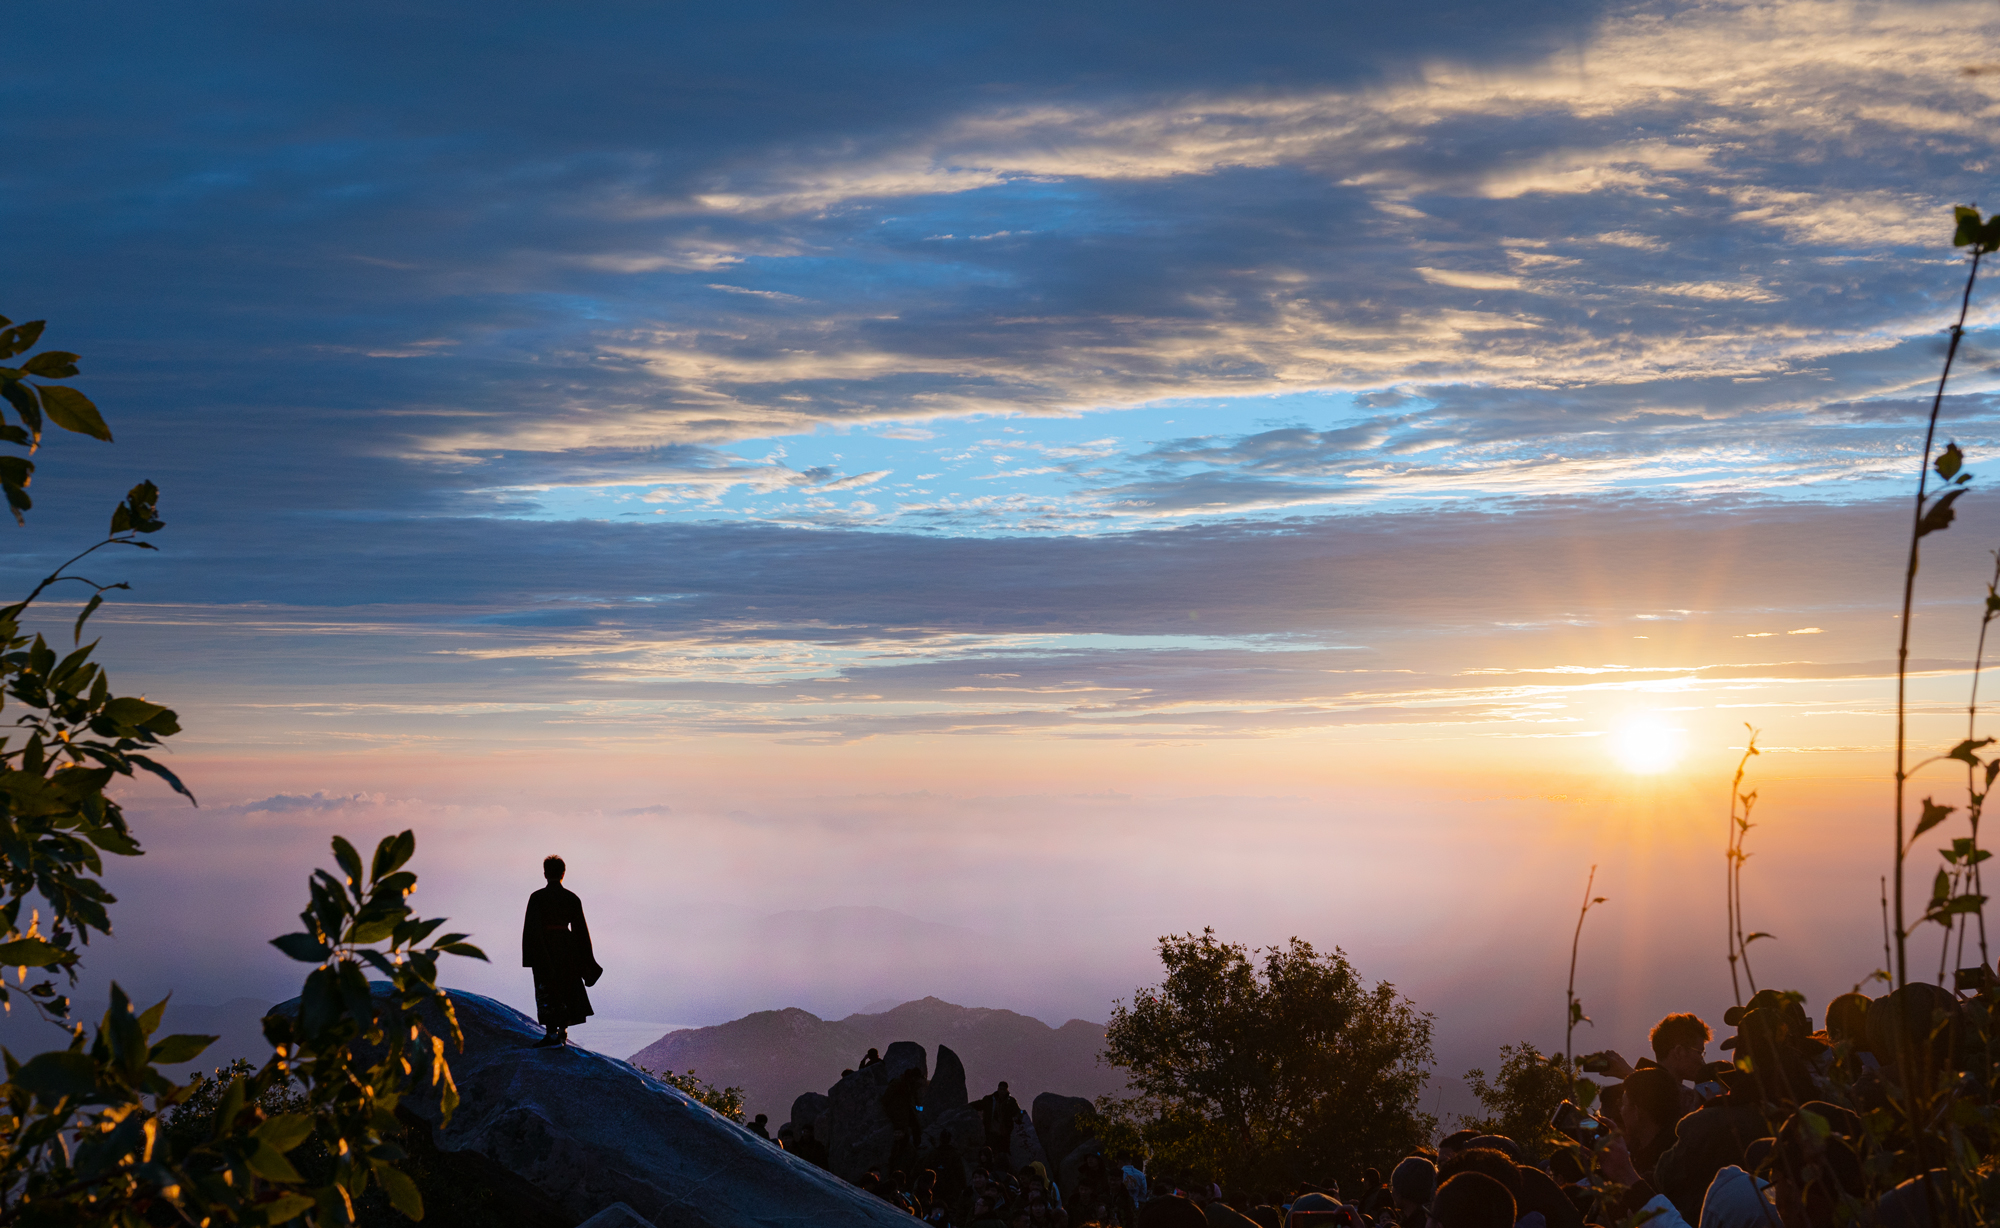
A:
[555,942]
[998,1109]
[760,1125]
[869,1059]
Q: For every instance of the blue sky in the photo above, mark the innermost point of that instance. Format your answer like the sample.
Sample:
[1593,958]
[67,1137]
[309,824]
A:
[760,410]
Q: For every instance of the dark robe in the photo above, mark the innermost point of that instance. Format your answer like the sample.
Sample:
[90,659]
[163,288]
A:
[555,942]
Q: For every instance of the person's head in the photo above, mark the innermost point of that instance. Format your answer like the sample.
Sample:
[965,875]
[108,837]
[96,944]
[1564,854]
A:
[1371,1177]
[762,1118]
[1473,1200]
[1308,1203]
[871,1053]
[1451,1144]
[1847,1018]
[1500,1143]
[1651,1102]
[1003,1082]
[1495,1164]
[1680,1044]
[552,868]
[1919,1022]
[1413,1183]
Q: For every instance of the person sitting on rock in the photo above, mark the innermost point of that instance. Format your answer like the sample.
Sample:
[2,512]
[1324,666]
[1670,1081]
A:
[869,1059]
[808,1148]
[760,1127]
[555,942]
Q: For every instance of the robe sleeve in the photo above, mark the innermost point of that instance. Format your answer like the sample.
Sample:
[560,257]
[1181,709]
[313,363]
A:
[586,960]
[530,948]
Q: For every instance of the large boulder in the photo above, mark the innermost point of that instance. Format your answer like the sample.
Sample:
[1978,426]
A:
[967,1130]
[1062,1122]
[590,1132]
[806,1110]
[1024,1147]
[947,1089]
[854,1126]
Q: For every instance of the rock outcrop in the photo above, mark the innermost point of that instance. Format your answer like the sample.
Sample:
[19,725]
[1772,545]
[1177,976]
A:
[1064,1123]
[592,1132]
[855,1125]
[947,1089]
[807,1109]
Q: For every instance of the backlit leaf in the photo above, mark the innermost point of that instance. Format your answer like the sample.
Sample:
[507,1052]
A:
[73,411]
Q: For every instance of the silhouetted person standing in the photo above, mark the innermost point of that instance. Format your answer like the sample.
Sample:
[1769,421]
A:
[555,942]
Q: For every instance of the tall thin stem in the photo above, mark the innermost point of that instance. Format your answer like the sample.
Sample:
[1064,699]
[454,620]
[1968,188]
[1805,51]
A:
[1733,885]
[1572,1014]
[1977,808]
[1901,968]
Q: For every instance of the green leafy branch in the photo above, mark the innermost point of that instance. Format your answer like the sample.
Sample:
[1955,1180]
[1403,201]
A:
[359,1049]
[61,405]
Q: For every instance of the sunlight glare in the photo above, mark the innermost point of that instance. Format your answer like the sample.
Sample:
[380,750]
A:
[1646,746]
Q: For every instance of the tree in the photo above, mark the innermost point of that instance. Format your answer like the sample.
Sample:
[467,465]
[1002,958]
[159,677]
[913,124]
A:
[87,1133]
[1263,1072]
[1522,1098]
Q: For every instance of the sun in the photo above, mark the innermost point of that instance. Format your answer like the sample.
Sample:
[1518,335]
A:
[1646,745]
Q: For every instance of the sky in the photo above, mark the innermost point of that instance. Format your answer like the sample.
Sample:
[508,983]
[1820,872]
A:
[915,500]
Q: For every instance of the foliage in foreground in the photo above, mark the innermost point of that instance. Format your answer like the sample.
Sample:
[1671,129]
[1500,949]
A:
[1262,1071]
[86,1132]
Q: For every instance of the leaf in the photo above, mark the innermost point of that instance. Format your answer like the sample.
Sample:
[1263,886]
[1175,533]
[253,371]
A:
[163,772]
[52,1076]
[73,411]
[22,397]
[1748,939]
[303,947]
[1963,751]
[286,1207]
[178,1048]
[401,1190]
[1940,889]
[30,953]
[270,1163]
[1949,461]
[1940,515]
[350,861]
[319,1003]
[393,852]
[140,513]
[469,951]
[1969,229]
[22,337]
[286,1131]
[96,600]
[51,364]
[1934,814]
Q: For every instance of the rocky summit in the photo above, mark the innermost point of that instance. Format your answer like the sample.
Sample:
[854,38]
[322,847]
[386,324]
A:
[590,1132]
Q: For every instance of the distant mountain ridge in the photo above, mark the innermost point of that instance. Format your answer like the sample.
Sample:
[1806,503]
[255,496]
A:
[775,1055]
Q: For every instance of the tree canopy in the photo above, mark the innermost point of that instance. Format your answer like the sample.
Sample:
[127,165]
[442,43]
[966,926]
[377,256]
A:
[1260,1067]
